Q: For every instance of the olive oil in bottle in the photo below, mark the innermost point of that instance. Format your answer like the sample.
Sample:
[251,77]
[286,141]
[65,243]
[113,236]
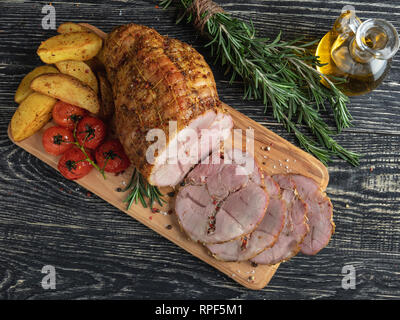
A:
[358,52]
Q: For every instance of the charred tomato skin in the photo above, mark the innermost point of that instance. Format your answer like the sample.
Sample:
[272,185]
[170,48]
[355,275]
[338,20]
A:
[111,157]
[73,164]
[67,115]
[57,140]
[90,132]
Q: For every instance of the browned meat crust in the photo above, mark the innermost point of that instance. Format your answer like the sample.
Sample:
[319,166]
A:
[155,79]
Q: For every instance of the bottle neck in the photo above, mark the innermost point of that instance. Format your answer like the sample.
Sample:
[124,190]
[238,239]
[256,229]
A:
[358,54]
[374,39]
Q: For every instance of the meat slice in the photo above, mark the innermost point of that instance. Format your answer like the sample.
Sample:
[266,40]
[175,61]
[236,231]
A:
[225,175]
[183,151]
[157,81]
[212,214]
[263,237]
[195,208]
[294,230]
[320,214]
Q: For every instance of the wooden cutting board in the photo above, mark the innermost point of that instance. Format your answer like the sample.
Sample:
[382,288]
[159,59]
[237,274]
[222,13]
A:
[274,154]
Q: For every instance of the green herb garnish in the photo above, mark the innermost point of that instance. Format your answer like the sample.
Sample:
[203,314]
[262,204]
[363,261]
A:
[140,189]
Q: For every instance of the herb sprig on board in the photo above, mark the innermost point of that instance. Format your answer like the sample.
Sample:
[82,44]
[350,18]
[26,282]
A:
[139,190]
[281,73]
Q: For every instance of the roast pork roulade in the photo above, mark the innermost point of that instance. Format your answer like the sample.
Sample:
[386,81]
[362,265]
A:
[157,81]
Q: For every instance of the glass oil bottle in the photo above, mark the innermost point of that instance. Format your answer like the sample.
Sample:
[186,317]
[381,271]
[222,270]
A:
[358,52]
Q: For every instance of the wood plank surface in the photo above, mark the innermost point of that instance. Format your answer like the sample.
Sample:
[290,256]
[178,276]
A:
[99,252]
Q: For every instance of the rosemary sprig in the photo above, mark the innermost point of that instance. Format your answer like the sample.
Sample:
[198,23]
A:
[282,74]
[141,189]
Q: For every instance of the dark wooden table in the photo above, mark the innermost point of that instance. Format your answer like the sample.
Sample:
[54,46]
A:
[99,252]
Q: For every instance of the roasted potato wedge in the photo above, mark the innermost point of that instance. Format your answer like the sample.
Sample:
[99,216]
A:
[79,70]
[97,31]
[31,115]
[68,27]
[68,89]
[24,88]
[106,97]
[95,64]
[79,46]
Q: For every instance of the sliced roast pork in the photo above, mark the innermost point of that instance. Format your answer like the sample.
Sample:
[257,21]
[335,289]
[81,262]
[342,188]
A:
[320,214]
[225,173]
[221,201]
[295,228]
[162,84]
[263,237]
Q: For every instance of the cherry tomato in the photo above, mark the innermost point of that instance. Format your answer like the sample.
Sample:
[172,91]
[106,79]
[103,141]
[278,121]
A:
[90,132]
[66,115]
[111,157]
[57,140]
[73,164]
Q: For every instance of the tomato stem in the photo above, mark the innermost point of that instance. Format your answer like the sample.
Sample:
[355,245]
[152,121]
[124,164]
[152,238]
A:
[84,152]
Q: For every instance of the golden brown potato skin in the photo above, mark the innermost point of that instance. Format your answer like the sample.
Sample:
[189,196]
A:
[79,70]
[24,88]
[155,79]
[80,46]
[68,89]
[68,27]
[31,115]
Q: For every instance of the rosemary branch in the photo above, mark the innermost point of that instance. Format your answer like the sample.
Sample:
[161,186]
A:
[139,189]
[281,73]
